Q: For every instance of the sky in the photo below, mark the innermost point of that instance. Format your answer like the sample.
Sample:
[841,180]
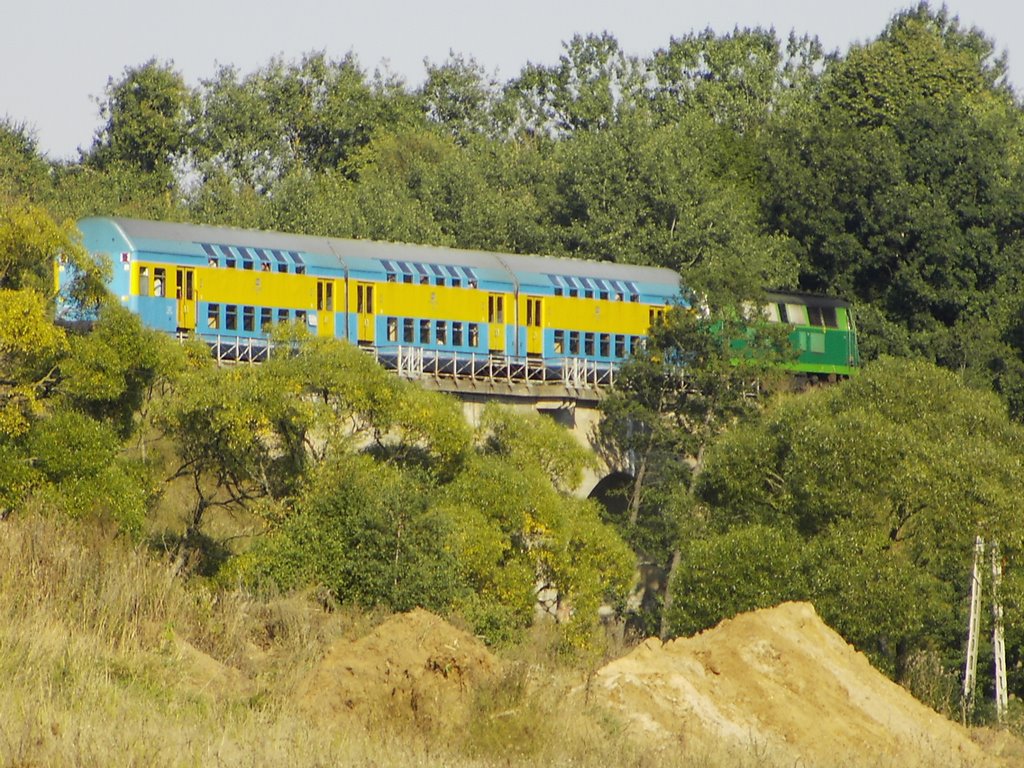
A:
[57,56]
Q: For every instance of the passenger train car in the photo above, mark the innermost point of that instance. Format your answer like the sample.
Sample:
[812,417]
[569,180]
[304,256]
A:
[229,287]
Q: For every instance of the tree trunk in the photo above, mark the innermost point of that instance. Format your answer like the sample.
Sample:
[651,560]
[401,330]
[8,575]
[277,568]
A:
[677,555]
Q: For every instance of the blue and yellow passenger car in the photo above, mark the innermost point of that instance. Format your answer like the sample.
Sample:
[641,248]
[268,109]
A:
[231,286]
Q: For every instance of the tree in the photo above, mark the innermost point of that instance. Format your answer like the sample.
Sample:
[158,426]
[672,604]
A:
[697,375]
[886,480]
[146,115]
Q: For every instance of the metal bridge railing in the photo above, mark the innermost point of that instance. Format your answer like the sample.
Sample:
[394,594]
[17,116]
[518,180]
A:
[417,363]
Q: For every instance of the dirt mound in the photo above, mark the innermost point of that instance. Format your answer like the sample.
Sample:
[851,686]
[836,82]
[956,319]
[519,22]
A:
[780,684]
[415,664]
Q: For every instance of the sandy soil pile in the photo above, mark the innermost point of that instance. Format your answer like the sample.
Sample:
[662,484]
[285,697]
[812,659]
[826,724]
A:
[780,684]
[413,664]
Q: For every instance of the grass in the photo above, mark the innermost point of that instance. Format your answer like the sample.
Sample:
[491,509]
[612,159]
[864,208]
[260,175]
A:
[108,656]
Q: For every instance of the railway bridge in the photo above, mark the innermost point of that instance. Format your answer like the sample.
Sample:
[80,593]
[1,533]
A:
[569,393]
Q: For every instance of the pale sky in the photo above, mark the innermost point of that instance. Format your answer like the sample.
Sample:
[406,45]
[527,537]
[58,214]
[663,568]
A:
[56,56]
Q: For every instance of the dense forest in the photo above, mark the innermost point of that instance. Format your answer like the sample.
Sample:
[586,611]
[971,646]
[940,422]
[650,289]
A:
[891,174]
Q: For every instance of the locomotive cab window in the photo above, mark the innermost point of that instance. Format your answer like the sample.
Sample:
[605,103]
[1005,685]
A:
[823,316]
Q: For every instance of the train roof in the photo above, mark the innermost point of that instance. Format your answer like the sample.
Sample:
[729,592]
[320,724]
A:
[809,299]
[329,252]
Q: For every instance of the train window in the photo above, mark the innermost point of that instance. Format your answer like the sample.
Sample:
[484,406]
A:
[424,280]
[636,343]
[325,295]
[574,342]
[603,295]
[247,265]
[249,319]
[588,294]
[780,311]
[159,281]
[558,291]
[300,270]
[456,282]
[620,346]
[824,316]
[407,279]
[635,298]
[408,330]
[266,318]
[229,263]
[392,329]
[143,281]
[559,342]
[392,277]
[474,335]
[606,345]
[457,334]
[265,266]
[282,316]
[424,331]
[439,281]
[495,309]
[796,314]
[282,268]
[573,293]
[231,317]
[213,316]
[441,329]
[300,316]
[588,344]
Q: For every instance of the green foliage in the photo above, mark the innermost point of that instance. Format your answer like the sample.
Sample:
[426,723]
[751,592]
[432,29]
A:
[146,113]
[111,371]
[887,479]
[361,528]
[745,568]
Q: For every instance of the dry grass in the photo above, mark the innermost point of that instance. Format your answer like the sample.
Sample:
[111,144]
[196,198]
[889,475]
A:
[109,657]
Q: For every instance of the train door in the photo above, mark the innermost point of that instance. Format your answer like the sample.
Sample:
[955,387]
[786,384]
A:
[185,293]
[534,326]
[325,307]
[496,320]
[365,312]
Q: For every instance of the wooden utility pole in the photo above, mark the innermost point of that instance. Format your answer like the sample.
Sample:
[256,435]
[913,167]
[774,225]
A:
[974,631]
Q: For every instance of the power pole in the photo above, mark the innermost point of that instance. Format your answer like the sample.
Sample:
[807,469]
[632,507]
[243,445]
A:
[973,629]
[998,643]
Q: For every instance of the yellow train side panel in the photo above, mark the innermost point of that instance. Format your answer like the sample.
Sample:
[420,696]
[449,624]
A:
[599,316]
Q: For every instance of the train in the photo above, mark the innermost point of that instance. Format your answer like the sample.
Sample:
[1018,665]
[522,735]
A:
[442,310]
